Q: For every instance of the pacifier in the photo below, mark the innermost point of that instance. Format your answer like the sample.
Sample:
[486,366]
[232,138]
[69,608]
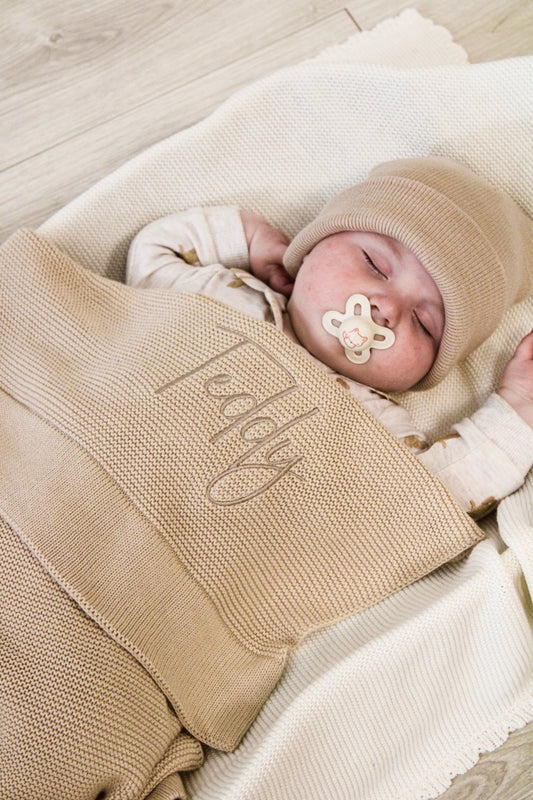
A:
[356,330]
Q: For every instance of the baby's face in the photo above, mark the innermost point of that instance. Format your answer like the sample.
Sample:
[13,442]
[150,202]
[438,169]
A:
[403,297]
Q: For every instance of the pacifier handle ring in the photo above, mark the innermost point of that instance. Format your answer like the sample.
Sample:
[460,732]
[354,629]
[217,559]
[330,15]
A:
[358,300]
[357,333]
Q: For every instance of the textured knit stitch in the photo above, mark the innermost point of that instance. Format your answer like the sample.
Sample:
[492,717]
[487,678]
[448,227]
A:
[196,484]
[79,715]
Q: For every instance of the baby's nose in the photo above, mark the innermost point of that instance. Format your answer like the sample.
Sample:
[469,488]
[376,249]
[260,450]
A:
[386,311]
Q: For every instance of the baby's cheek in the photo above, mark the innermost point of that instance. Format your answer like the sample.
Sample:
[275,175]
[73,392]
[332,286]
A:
[418,357]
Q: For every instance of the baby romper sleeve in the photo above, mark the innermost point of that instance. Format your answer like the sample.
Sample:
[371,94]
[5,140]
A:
[485,458]
[166,253]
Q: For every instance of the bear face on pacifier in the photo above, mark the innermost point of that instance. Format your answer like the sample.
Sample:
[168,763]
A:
[356,330]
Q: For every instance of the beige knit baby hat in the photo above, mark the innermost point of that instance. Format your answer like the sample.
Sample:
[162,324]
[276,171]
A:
[473,239]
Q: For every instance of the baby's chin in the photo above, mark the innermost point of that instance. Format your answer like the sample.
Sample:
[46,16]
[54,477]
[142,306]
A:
[372,373]
[383,370]
[377,378]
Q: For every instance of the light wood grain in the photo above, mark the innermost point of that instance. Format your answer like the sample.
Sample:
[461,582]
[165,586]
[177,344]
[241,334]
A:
[505,774]
[104,62]
[86,85]
[487,29]
[38,181]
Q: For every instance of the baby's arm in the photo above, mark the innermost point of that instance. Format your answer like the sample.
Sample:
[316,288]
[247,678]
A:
[516,385]
[267,246]
[166,253]
[487,456]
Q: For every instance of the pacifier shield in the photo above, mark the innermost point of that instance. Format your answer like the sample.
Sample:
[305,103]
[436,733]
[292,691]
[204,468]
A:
[356,330]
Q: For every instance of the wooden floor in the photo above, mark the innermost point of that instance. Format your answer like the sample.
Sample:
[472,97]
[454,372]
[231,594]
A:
[86,85]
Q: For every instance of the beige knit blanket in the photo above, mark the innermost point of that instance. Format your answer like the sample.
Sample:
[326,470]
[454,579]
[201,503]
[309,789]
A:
[200,488]
[393,702]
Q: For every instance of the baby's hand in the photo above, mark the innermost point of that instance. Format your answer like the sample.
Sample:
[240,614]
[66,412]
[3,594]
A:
[266,248]
[516,385]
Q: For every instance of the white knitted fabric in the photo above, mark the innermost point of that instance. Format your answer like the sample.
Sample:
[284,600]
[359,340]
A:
[390,704]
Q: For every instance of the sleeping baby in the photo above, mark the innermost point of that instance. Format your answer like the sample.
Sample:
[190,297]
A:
[395,281]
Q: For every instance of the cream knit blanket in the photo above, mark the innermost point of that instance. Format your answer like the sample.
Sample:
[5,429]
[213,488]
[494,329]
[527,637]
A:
[392,703]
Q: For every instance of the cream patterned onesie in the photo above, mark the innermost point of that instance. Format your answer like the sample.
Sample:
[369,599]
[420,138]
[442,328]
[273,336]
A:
[204,250]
